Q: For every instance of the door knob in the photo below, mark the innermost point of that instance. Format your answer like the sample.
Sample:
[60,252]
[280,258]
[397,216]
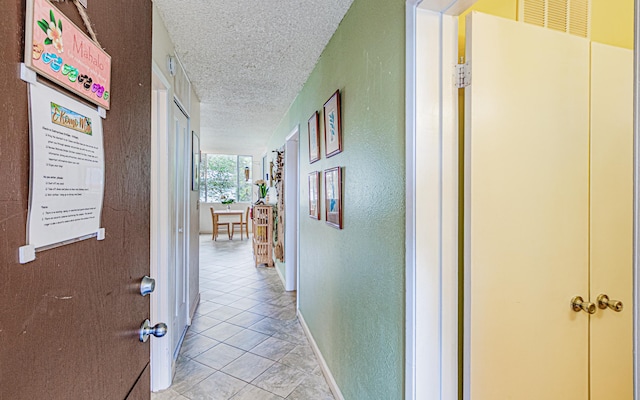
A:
[604,302]
[158,330]
[147,285]
[578,303]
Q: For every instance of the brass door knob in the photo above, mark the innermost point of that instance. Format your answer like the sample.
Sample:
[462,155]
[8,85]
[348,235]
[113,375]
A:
[578,304]
[604,302]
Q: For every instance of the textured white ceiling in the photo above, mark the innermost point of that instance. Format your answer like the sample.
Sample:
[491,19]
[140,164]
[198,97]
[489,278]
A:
[247,61]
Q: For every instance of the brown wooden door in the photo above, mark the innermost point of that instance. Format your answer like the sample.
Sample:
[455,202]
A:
[69,319]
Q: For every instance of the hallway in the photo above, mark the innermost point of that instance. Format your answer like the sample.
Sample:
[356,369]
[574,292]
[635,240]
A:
[245,342]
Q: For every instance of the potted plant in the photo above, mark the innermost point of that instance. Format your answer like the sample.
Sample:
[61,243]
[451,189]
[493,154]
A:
[227,201]
[262,191]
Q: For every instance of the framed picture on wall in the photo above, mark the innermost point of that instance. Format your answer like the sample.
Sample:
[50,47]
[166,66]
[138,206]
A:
[333,196]
[332,125]
[314,138]
[195,161]
[314,195]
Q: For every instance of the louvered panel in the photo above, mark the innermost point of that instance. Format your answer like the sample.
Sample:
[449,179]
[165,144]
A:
[557,15]
[534,12]
[571,16]
[580,18]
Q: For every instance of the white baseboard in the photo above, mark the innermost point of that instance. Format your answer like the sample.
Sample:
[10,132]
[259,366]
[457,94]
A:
[323,364]
[284,283]
[194,307]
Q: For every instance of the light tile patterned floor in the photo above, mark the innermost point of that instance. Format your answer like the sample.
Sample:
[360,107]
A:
[245,342]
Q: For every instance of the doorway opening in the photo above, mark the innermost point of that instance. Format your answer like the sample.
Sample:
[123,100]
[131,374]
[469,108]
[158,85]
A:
[435,284]
[170,147]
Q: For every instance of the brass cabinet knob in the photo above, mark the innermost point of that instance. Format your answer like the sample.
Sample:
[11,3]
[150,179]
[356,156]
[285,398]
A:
[578,304]
[604,302]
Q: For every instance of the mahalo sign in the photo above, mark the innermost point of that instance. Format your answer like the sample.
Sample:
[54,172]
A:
[60,51]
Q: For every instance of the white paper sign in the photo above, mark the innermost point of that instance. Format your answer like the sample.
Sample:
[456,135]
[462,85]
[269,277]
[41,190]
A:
[67,168]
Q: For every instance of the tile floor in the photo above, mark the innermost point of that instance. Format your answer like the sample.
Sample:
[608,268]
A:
[245,342]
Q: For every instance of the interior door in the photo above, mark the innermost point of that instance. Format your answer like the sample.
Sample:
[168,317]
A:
[179,273]
[611,350]
[549,214]
[526,212]
[69,320]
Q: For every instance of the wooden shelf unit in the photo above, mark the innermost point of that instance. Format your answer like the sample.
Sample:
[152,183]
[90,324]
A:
[263,235]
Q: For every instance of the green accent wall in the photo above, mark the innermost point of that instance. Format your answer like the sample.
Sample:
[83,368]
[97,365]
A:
[352,290]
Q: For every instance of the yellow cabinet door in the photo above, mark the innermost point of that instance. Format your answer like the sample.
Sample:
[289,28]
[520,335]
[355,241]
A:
[548,214]
[526,212]
[611,341]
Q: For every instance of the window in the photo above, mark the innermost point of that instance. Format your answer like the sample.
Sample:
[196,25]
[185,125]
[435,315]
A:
[223,177]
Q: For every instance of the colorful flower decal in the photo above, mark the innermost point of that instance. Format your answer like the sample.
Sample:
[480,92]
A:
[54,61]
[53,31]
[97,89]
[86,81]
[38,49]
[71,72]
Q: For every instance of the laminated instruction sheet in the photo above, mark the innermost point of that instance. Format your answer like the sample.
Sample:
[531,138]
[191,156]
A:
[67,169]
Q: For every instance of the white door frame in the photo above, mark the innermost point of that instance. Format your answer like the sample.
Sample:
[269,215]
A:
[431,369]
[184,236]
[161,352]
[161,360]
[431,155]
[292,208]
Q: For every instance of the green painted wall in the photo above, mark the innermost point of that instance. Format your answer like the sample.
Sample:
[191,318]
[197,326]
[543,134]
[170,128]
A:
[352,280]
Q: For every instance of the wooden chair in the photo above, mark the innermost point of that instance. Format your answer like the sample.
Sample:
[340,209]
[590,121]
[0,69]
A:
[217,225]
[242,224]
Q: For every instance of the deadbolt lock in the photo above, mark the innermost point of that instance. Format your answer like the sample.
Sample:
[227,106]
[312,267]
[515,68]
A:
[147,285]
[604,302]
[578,304]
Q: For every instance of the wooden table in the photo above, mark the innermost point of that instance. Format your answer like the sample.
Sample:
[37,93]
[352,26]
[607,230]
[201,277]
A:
[231,212]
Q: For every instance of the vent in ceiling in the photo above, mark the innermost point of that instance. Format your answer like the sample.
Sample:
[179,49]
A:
[571,16]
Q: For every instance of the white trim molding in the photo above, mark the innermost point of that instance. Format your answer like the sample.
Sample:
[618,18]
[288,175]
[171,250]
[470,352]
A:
[432,155]
[448,7]
[284,283]
[160,310]
[333,386]
[410,182]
